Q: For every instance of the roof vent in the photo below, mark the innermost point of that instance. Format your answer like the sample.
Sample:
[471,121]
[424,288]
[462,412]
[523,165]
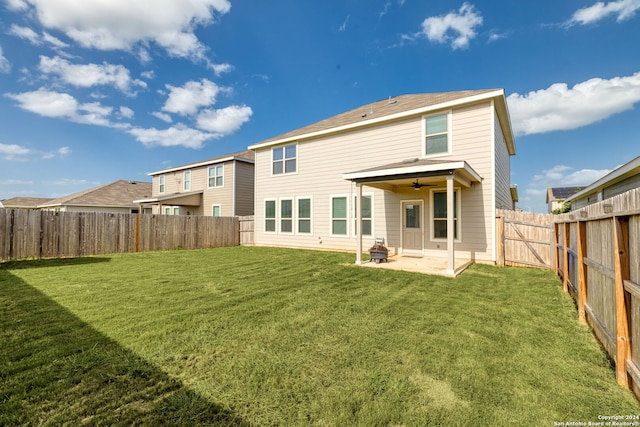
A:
[410,160]
[392,101]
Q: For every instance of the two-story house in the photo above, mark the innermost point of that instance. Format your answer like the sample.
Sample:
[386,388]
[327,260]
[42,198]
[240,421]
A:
[424,172]
[220,186]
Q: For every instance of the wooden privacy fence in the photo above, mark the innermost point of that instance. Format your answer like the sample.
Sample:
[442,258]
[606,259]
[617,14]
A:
[598,258]
[524,239]
[44,234]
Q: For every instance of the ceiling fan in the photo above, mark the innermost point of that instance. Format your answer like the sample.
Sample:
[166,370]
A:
[416,185]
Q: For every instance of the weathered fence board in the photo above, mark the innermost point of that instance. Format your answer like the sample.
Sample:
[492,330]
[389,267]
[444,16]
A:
[44,234]
[608,272]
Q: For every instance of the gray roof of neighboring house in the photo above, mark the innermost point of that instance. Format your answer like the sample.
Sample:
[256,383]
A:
[120,193]
[625,171]
[561,193]
[24,202]
[243,156]
[388,109]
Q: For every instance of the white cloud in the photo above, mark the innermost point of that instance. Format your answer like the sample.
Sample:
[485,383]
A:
[148,74]
[126,112]
[623,9]
[219,69]
[123,24]
[343,26]
[14,152]
[54,41]
[25,33]
[225,120]
[89,75]
[533,197]
[17,5]
[173,136]
[70,181]
[457,28]
[162,116]
[189,98]
[5,65]
[62,105]
[562,108]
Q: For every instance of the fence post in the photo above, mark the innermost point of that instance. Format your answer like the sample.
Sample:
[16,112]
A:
[138,232]
[621,264]
[500,241]
[565,255]
[582,271]
[554,248]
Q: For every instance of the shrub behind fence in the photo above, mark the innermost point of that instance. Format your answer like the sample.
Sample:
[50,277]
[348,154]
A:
[44,234]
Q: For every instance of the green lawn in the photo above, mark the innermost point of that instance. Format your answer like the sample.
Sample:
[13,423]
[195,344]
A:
[263,336]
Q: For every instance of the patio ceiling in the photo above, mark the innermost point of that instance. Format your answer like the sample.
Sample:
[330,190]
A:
[192,198]
[428,172]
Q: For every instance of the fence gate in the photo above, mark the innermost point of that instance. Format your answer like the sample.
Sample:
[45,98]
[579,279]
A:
[525,239]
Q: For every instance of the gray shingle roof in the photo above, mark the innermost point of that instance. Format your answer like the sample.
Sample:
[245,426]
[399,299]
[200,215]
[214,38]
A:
[379,109]
[117,193]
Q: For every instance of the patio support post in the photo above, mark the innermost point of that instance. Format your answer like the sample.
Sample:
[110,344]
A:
[451,265]
[359,224]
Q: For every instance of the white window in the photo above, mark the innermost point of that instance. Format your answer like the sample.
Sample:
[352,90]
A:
[304,216]
[216,210]
[162,185]
[439,214]
[176,211]
[366,212]
[339,210]
[437,134]
[216,176]
[270,216]
[167,210]
[286,216]
[187,180]
[284,159]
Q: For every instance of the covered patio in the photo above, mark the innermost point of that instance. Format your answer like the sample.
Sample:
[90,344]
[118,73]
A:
[417,173]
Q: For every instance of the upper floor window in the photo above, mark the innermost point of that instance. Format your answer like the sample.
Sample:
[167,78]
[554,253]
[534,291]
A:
[436,131]
[162,184]
[187,180]
[284,159]
[216,176]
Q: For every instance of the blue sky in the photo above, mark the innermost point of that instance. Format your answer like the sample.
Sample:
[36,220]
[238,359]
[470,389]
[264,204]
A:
[94,91]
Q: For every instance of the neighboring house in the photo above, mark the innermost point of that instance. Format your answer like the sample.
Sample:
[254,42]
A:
[115,197]
[557,196]
[424,172]
[620,180]
[220,186]
[23,202]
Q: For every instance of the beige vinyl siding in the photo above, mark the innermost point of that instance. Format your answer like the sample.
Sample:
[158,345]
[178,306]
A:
[244,184]
[620,187]
[222,196]
[503,171]
[472,142]
[322,161]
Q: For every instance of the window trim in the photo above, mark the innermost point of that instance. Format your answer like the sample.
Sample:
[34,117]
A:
[458,220]
[215,176]
[346,219]
[162,184]
[297,216]
[216,205]
[449,115]
[275,218]
[284,149]
[186,182]
[355,213]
